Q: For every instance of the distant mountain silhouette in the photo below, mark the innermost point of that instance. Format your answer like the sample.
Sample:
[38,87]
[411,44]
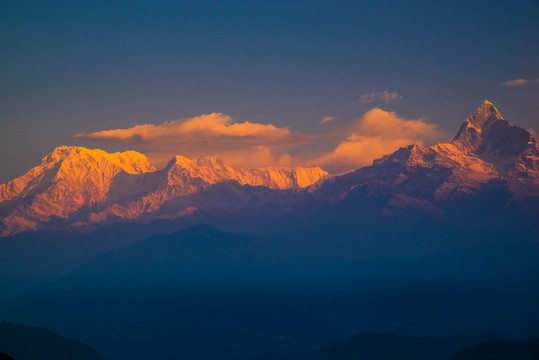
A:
[501,350]
[5,357]
[203,293]
[385,347]
[37,343]
[197,294]
[196,255]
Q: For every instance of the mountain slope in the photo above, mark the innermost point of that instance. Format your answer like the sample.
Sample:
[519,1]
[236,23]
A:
[385,347]
[68,179]
[32,342]
[501,350]
[173,192]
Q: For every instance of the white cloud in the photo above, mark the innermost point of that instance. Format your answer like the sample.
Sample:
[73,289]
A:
[384,96]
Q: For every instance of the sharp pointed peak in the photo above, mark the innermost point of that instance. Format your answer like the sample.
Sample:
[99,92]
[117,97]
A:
[486,113]
[488,108]
[486,103]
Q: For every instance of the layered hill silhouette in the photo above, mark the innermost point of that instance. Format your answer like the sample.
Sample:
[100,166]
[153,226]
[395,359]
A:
[5,356]
[391,346]
[33,343]
[501,350]
[202,293]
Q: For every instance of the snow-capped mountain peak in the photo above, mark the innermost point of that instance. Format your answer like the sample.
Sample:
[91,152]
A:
[486,148]
[79,185]
[488,136]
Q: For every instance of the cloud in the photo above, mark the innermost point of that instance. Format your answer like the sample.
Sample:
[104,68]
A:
[339,148]
[515,83]
[375,134]
[384,96]
[210,126]
[327,119]
[211,134]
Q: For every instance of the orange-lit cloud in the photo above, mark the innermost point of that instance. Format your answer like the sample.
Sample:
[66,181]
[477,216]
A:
[341,147]
[212,134]
[515,83]
[210,126]
[327,119]
[384,96]
[375,134]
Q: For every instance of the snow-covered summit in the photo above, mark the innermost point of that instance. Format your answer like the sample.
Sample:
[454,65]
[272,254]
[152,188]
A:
[76,185]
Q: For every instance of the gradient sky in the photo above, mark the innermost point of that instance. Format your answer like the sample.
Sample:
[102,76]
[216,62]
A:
[72,67]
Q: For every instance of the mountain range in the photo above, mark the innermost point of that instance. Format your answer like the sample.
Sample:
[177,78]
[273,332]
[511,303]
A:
[75,186]
[79,188]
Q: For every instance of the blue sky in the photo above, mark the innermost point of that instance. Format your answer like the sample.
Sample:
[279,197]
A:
[86,66]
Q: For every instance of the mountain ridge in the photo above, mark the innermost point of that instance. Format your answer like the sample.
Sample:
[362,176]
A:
[75,186]
[79,188]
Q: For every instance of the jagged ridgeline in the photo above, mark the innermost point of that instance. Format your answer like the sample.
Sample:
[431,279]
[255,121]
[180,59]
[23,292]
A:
[78,188]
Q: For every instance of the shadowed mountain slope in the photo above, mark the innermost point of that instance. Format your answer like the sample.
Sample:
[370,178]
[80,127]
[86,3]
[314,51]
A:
[36,343]
[501,350]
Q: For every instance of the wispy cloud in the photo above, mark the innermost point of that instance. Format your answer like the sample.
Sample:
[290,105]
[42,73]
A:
[208,126]
[341,147]
[211,134]
[384,96]
[327,119]
[515,83]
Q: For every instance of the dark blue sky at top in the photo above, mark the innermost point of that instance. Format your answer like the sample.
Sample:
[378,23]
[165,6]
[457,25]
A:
[81,66]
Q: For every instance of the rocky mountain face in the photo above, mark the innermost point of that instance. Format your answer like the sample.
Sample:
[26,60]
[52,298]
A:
[67,180]
[75,186]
